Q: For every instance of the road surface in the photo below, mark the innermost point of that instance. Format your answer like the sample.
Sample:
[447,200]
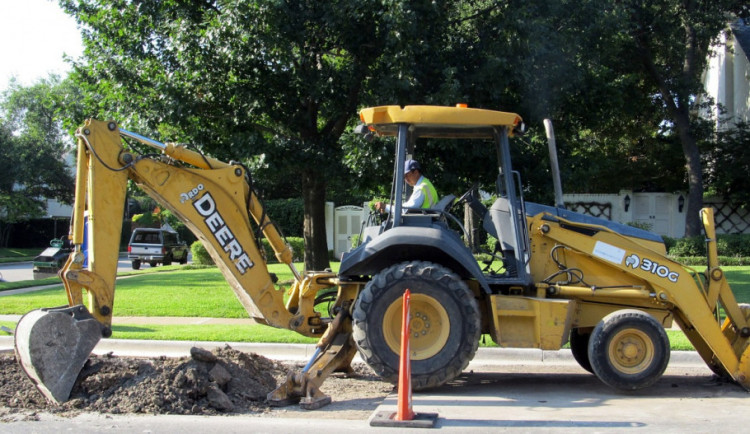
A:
[18,271]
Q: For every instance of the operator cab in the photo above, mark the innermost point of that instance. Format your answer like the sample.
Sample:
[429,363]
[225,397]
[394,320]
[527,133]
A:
[426,234]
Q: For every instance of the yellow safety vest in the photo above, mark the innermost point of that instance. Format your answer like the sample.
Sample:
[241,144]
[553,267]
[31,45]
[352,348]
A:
[429,192]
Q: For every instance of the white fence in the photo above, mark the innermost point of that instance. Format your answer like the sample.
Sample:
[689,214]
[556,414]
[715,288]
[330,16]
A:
[662,213]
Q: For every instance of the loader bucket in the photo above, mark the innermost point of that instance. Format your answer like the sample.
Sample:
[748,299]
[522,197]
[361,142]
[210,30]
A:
[52,345]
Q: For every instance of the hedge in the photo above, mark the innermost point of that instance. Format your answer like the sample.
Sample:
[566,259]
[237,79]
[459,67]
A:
[201,256]
[729,245]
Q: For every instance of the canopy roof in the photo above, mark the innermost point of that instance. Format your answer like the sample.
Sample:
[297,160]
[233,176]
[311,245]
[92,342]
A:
[438,121]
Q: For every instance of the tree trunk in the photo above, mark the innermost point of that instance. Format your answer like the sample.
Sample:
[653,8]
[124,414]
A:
[5,231]
[693,226]
[678,112]
[316,245]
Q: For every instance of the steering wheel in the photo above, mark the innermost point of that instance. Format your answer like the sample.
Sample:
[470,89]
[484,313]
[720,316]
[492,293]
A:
[465,197]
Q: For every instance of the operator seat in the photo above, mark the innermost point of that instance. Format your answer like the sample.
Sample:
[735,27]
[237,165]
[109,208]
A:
[444,204]
[502,221]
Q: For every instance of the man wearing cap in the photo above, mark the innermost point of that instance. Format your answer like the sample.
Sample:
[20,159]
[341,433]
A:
[424,194]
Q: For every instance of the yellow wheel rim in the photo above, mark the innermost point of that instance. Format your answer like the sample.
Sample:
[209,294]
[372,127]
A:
[429,326]
[631,351]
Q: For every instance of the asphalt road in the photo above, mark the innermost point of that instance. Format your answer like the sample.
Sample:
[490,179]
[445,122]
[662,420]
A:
[502,390]
[17,271]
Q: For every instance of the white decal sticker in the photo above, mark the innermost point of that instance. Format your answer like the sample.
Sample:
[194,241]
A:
[652,267]
[206,207]
[609,252]
[184,197]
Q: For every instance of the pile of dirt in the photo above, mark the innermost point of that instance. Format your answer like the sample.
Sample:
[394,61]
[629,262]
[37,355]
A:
[214,382]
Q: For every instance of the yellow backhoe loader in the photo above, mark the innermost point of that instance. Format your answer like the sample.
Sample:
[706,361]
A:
[608,289]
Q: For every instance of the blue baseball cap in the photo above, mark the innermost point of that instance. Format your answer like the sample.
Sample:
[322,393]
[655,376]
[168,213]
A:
[410,165]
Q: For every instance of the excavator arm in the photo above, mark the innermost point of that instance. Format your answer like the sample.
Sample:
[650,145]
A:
[216,202]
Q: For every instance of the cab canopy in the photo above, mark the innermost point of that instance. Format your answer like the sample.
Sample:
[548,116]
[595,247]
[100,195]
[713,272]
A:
[439,122]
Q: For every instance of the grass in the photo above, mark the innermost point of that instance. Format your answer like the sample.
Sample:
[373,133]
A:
[18,255]
[203,292]
[191,292]
[213,332]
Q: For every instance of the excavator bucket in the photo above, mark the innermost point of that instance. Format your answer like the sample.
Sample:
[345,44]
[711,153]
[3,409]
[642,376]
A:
[52,345]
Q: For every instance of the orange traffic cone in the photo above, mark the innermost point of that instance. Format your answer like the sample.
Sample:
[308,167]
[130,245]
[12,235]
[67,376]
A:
[404,415]
[404,409]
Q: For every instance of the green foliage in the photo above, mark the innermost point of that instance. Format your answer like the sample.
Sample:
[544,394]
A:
[641,225]
[734,245]
[288,214]
[728,164]
[147,220]
[32,150]
[200,255]
[689,246]
[297,244]
[728,246]
[277,84]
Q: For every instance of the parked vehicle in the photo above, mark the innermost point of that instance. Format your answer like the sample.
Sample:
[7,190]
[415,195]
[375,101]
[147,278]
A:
[156,246]
[51,260]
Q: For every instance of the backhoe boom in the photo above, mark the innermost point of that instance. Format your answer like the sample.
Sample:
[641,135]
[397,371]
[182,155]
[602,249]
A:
[215,201]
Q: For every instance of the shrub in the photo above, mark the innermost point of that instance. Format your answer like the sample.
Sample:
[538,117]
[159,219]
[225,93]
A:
[200,255]
[733,245]
[691,246]
[298,247]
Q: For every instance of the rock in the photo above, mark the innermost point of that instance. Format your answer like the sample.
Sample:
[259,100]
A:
[218,399]
[202,355]
[219,375]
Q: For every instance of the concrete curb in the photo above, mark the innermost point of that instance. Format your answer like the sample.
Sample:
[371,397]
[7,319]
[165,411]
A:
[490,357]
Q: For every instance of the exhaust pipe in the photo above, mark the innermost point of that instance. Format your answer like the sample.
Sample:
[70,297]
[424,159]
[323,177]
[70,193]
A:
[557,183]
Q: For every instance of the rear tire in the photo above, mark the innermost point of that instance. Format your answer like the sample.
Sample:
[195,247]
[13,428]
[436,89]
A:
[579,346]
[445,324]
[629,350]
[136,264]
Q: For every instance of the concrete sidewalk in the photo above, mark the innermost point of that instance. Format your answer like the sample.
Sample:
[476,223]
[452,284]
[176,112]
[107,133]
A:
[484,358]
[162,320]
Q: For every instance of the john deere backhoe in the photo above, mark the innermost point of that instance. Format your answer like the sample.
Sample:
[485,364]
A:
[608,289]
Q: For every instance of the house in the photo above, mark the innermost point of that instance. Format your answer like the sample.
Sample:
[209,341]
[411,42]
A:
[727,76]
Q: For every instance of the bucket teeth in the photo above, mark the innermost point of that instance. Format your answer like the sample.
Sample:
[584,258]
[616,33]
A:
[52,345]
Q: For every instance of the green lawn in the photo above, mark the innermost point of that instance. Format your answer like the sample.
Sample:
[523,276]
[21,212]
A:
[203,292]
[15,254]
[190,292]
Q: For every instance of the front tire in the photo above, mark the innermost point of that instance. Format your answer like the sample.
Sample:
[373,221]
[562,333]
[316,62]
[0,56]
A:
[629,350]
[579,347]
[445,323]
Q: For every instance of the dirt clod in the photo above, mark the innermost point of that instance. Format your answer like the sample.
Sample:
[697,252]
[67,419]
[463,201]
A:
[221,381]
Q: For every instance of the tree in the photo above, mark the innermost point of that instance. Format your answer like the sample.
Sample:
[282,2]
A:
[32,152]
[272,83]
[620,78]
[728,164]
[669,42]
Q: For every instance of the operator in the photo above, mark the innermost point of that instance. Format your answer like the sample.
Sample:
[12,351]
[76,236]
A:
[424,194]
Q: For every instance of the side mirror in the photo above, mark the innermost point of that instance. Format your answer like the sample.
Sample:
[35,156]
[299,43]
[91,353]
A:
[365,131]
